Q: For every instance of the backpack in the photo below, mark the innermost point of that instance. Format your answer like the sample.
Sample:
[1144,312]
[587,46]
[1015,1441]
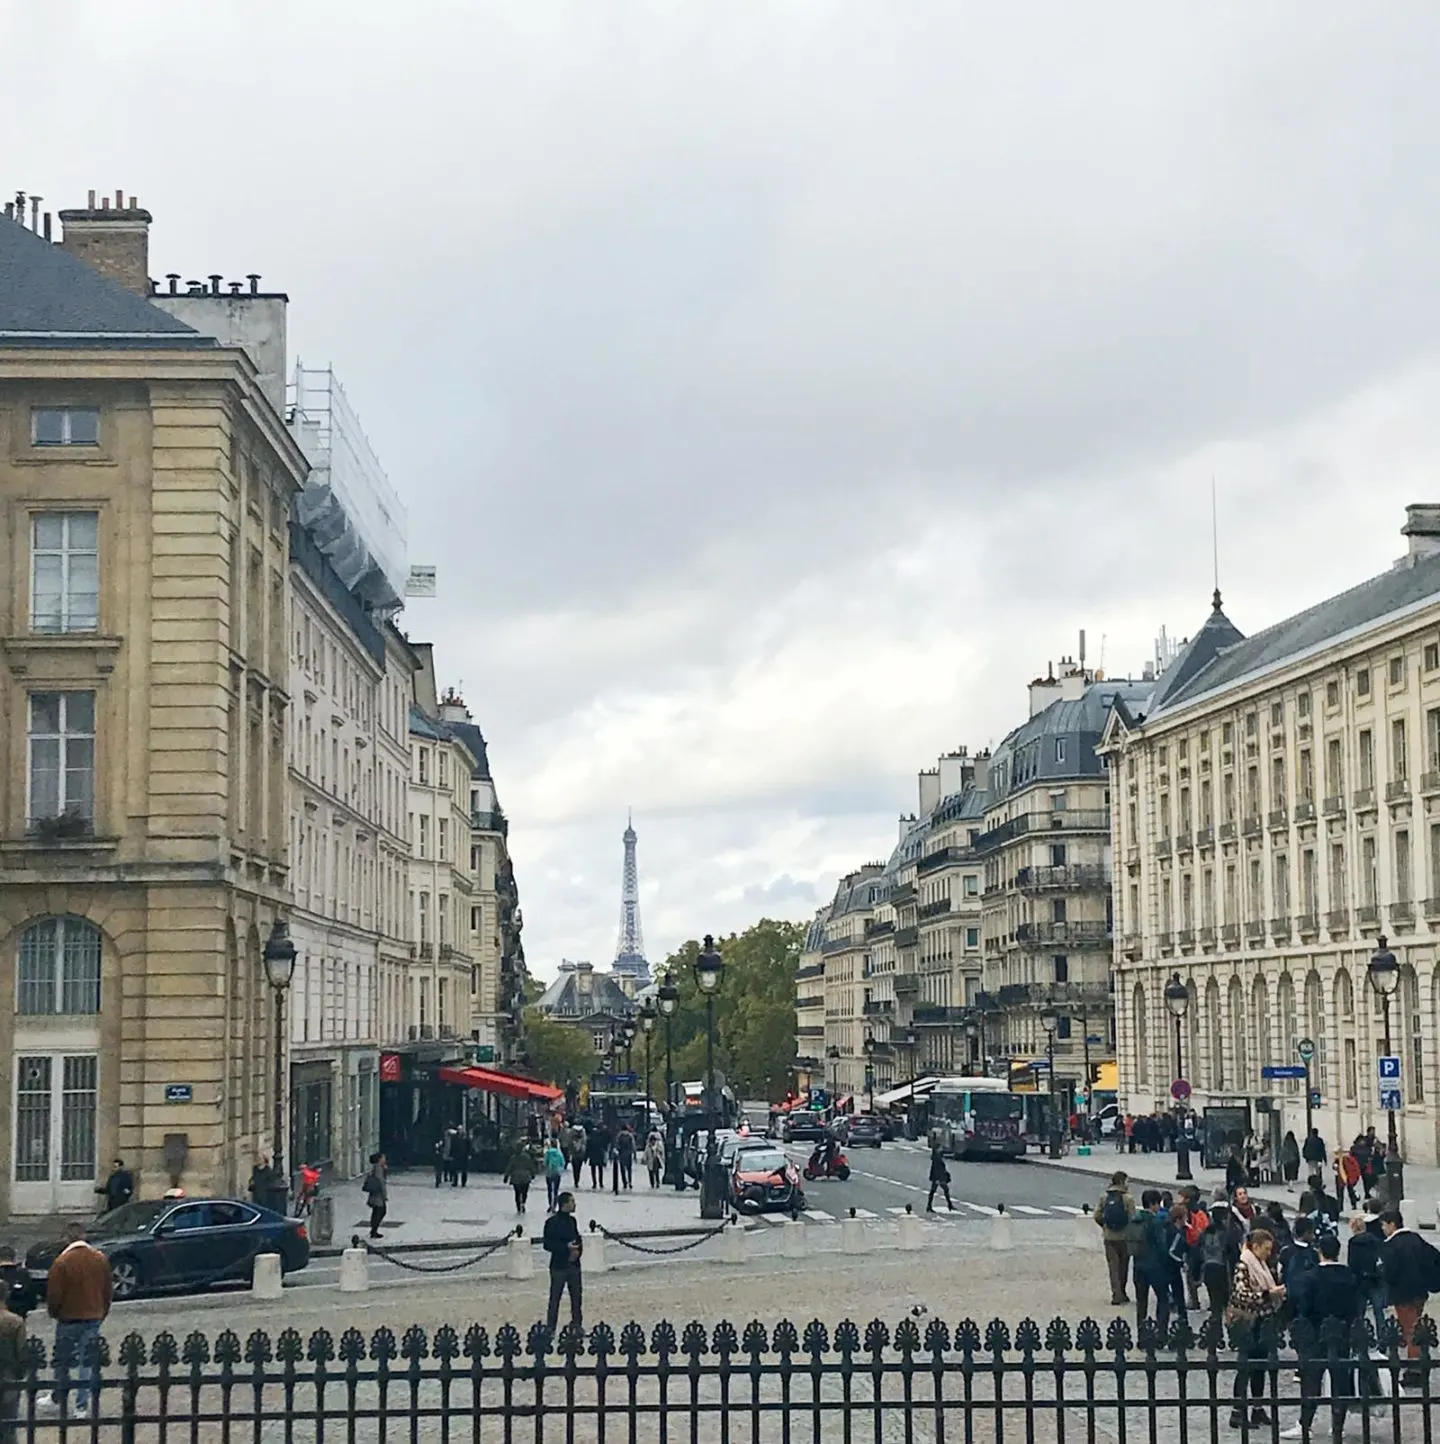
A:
[1113,1214]
[1212,1248]
[1429,1269]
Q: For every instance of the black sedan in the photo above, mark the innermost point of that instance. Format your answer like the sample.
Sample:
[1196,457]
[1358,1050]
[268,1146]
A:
[802,1124]
[186,1243]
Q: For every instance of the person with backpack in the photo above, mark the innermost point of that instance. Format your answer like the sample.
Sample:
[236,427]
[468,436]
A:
[1412,1274]
[1220,1256]
[1197,1220]
[1363,1256]
[1297,1263]
[1113,1215]
[1151,1237]
[1332,1300]
[554,1164]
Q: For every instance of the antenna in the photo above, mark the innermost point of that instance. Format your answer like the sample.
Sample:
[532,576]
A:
[1215,542]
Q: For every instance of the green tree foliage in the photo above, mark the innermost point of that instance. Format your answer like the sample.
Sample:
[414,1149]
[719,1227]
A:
[559,1053]
[754,1011]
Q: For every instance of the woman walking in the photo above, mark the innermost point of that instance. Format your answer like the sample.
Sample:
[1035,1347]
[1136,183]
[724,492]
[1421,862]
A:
[1255,1298]
[554,1174]
[654,1157]
[520,1174]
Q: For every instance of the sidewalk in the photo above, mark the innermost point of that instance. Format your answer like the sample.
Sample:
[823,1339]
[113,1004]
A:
[1158,1169]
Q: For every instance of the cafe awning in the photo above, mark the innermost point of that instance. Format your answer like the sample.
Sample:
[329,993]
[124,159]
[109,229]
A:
[508,1085]
[905,1092]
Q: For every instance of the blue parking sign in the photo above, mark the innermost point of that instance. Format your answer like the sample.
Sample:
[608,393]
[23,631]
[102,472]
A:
[1390,1098]
[1388,1066]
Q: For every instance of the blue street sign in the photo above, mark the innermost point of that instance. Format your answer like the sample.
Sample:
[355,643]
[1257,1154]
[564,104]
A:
[1390,1099]
[620,1080]
[1388,1065]
[1283,1070]
[179,1093]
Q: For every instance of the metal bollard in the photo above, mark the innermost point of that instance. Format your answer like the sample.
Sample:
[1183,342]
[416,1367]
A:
[735,1245]
[853,1238]
[520,1264]
[354,1271]
[1002,1231]
[793,1240]
[268,1278]
[911,1237]
[1086,1234]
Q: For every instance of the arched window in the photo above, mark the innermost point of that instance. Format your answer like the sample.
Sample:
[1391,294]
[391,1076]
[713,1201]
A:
[1246,1077]
[1410,1037]
[1260,1022]
[1142,1038]
[1315,1027]
[1215,1022]
[1191,1062]
[59,968]
[1289,1023]
[1349,1050]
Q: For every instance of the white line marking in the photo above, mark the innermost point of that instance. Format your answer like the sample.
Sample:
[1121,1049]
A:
[980,1208]
[818,1215]
[864,1213]
[1068,1208]
[1025,1208]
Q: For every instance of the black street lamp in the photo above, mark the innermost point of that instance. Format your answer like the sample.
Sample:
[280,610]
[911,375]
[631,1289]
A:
[709,969]
[648,1015]
[1177,999]
[1384,975]
[279,959]
[833,1054]
[668,996]
[869,1072]
[627,1040]
[1049,1022]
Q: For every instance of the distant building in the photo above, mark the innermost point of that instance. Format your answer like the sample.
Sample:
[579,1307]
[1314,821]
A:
[586,999]
[630,967]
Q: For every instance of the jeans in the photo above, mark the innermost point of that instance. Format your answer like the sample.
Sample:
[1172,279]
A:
[377,1214]
[76,1355]
[563,1280]
[1216,1278]
[1144,1287]
[552,1190]
[522,1192]
[1342,1392]
[576,1164]
[627,1171]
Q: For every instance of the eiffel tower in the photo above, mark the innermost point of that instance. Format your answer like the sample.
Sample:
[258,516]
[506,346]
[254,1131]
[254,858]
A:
[631,970]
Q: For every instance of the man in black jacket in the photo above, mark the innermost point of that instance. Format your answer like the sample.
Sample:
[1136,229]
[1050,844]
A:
[1298,1264]
[1410,1267]
[1363,1256]
[119,1187]
[563,1243]
[1330,1301]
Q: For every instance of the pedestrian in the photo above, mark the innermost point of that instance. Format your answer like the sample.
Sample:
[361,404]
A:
[119,1188]
[442,1158]
[1219,1256]
[1197,1220]
[1289,1160]
[939,1178]
[1363,1256]
[655,1157]
[1255,1298]
[1114,1214]
[460,1159]
[1273,1220]
[575,1147]
[1150,1241]
[625,1157]
[18,1290]
[1347,1177]
[377,1192]
[1332,1293]
[1129,1127]
[13,1368]
[1235,1173]
[1244,1207]
[520,1173]
[562,1241]
[1412,1274]
[1176,1253]
[77,1294]
[1314,1152]
[1297,1264]
[597,1152]
[554,1174]
[263,1182]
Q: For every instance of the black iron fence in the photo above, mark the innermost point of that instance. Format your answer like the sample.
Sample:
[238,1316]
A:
[919,1381]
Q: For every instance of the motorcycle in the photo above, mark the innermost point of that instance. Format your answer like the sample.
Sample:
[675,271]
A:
[835,1166]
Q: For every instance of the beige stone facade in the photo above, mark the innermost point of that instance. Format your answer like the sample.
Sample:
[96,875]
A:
[144,702]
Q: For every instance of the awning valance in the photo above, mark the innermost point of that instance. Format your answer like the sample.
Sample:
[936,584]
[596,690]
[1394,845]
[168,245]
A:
[509,1085]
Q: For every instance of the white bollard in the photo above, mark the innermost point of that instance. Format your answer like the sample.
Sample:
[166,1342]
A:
[853,1238]
[1002,1232]
[793,1240]
[910,1235]
[521,1262]
[267,1280]
[354,1271]
[594,1260]
[1410,1212]
[1086,1234]
[735,1245]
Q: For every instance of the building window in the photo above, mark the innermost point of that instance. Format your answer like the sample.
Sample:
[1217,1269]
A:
[1302,704]
[1059,749]
[1365,742]
[1277,714]
[1432,656]
[972,939]
[442,828]
[424,835]
[65,426]
[1332,696]
[59,971]
[1397,671]
[424,766]
[65,572]
[474,920]
[62,756]
[1062,968]
[1062,1027]
[1362,681]
[1399,760]
[1403,875]
[972,885]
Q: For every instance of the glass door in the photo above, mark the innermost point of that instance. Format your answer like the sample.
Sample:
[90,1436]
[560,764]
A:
[55,1104]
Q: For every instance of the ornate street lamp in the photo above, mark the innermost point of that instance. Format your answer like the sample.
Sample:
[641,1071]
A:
[709,970]
[279,959]
[668,997]
[648,1016]
[1384,975]
[1177,999]
[869,1071]
[1049,1022]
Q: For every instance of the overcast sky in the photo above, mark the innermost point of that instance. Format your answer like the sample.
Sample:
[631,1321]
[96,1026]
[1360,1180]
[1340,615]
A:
[777,386]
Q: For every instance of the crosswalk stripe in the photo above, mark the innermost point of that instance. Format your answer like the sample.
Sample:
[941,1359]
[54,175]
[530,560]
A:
[1068,1208]
[864,1213]
[1025,1208]
[980,1208]
[899,1210]
[818,1215]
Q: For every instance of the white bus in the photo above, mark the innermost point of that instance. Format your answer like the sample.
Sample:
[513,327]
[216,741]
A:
[977,1118]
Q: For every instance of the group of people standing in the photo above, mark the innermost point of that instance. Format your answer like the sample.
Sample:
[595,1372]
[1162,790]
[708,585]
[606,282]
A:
[1256,1264]
[453,1150]
[572,1146]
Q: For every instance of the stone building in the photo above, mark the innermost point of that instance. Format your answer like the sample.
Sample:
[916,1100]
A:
[146,484]
[1278,809]
[846,952]
[810,1006]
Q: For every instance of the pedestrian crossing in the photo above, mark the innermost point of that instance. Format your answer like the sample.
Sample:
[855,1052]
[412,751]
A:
[964,1209]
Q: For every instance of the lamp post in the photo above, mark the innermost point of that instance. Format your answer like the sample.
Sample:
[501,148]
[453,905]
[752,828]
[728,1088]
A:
[648,1015]
[279,959]
[1049,1022]
[709,969]
[972,1045]
[833,1054]
[869,1072]
[1177,999]
[627,1041]
[1384,975]
[668,996]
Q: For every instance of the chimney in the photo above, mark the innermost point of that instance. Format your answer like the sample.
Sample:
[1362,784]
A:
[1422,526]
[115,240]
[929,791]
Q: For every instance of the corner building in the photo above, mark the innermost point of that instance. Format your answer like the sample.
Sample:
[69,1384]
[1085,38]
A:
[1277,808]
[145,485]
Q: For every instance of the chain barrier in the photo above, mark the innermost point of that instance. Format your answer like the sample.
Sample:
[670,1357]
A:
[416,1268]
[659,1252]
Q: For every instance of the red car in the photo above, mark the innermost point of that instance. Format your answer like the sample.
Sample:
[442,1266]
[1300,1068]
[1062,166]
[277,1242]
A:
[765,1178]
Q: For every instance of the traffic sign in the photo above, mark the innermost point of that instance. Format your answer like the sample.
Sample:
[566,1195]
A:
[1390,1099]
[1305,1049]
[1388,1066]
[1315,1098]
[1179,1090]
[1283,1070]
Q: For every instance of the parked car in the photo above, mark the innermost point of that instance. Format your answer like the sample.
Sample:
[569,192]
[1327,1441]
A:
[866,1131]
[801,1125]
[1107,1120]
[168,1244]
[764,1178]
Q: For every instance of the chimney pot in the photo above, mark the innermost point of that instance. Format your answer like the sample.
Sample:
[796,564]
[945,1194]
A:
[174,278]
[119,200]
[1422,527]
[215,279]
[105,203]
[9,210]
[90,203]
[236,287]
[47,225]
[254,278]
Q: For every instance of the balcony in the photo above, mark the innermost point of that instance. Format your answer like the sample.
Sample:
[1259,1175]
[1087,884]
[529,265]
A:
[1230,933]
[1251,826]
[903,894]
[907,937]
[1308,924]
[878,1007]
[1402,914]
[1430,783]
[1280,929]
[1067,934]
[492,821]
[1186,937]
[1227,832]
[1162,847]
[1165,942]
[1337,920]
[422,1032]
[1397,791]
[1254,929]
[880,929]
[1364,799]
[838,945]
[1078,996]
[935,909]
[1130,945]
[1277,819]
[815,970]
[1432,907]
[1183,843]
[427,952]
[1367,916]
[1207,937]
[810,1032]
[942,857]
[1335,806]
[1069,878]
[1041,823]
[1205,837]
[907,985]
[810,1000]
[937,1017]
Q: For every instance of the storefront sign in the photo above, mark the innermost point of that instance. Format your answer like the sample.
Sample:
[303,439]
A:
[389,1067]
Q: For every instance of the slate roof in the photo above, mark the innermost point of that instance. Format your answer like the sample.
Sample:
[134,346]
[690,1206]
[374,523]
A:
[1218,633]
[49,297]
[564,999]
[1410,584]
[474,739]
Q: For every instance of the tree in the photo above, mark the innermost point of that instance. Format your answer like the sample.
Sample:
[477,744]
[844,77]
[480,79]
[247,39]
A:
[559,1054]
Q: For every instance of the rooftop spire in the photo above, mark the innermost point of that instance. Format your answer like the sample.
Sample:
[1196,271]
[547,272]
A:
[1215,600]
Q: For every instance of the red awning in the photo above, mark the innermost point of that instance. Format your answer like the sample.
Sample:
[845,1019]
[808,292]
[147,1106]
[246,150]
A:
[492,1080]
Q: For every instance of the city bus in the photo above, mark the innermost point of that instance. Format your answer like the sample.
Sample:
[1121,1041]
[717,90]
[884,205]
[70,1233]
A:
[977,1118]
